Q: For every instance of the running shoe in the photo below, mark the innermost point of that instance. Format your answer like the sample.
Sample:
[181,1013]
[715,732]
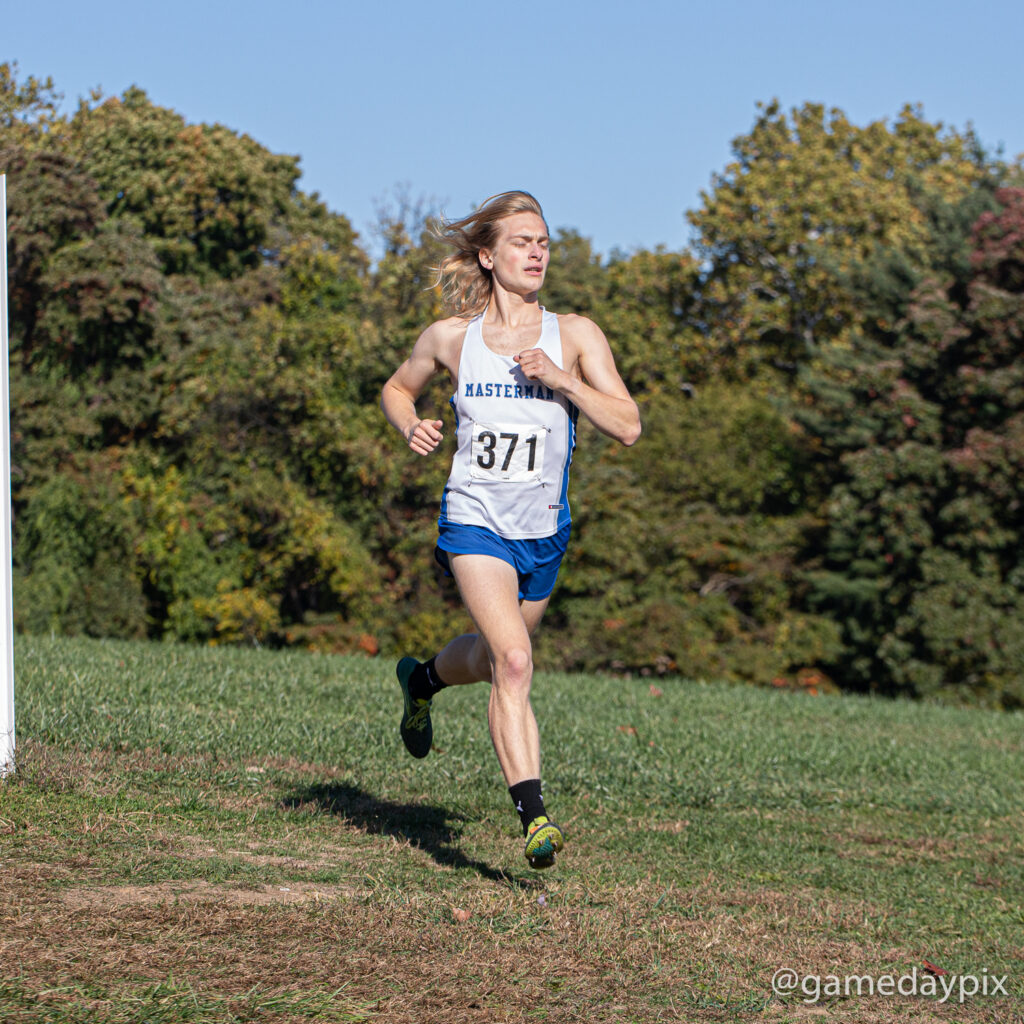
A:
[417,732]
[543,841]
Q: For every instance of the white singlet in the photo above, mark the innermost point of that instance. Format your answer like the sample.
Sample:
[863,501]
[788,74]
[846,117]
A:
[515,442]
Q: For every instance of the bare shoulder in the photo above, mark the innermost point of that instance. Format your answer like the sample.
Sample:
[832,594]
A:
[444,335]
[576,326]
[585,347]
[581,335]
[442,342]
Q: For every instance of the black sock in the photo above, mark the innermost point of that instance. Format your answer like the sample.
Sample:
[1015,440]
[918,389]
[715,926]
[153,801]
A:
[529,803]
[425,682]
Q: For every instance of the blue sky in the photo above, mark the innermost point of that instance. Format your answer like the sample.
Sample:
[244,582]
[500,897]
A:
[616,115]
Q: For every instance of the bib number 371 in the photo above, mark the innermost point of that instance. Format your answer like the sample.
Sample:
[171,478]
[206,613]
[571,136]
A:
[507,453]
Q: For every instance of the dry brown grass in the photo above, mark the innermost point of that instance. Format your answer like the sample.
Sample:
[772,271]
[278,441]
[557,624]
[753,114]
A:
[281,944]
[498,955]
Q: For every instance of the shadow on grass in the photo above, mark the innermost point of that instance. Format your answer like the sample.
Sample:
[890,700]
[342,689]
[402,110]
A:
[430,828]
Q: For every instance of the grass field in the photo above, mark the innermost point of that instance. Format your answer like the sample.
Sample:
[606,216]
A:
[212,835]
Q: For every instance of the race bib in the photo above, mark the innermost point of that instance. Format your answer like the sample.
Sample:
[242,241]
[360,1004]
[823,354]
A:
[514,453]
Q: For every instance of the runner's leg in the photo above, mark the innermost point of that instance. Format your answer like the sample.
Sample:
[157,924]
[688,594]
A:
[490,592]
[465,659]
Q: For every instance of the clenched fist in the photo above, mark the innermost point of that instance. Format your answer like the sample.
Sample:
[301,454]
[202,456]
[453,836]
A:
[425,436]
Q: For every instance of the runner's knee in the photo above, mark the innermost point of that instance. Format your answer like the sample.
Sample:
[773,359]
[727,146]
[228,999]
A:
[514,667]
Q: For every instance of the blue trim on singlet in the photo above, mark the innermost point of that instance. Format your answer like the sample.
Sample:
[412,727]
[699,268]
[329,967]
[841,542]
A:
[564,516]
[444,493]
[479,508]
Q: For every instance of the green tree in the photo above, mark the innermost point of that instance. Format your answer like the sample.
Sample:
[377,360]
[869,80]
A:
[28,109]
[808,197]
[75,567]
[205,196]
[180,307]
[685,548]
[925,424]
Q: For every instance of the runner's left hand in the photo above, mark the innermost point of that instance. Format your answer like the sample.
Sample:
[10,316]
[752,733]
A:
[537,365]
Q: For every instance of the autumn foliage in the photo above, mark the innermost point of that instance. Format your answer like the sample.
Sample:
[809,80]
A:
[827,493]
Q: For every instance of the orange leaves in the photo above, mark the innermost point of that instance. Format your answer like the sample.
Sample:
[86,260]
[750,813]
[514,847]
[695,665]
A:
[368,644]
[809,681]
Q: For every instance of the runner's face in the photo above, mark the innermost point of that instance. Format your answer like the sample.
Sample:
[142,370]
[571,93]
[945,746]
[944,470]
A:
[519,259]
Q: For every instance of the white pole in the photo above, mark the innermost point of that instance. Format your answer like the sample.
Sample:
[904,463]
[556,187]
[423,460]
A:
[6,618]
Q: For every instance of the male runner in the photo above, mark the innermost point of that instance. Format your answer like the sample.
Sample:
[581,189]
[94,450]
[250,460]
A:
[521,377]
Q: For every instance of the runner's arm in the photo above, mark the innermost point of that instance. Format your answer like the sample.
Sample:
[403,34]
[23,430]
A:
[601,395]
[398,396]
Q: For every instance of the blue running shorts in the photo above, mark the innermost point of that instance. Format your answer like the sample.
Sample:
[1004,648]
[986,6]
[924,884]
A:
[536,561]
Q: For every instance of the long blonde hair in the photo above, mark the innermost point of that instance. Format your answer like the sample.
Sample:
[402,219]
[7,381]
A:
[465,284]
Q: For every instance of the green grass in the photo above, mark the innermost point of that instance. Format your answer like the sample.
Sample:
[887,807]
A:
[199,834]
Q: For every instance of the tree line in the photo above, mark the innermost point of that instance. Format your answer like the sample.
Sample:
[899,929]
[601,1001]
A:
[827,493]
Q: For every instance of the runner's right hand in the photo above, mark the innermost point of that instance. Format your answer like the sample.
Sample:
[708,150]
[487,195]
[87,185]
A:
[425,436]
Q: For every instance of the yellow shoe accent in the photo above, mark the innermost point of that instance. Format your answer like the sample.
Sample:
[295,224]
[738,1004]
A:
[543,840]
[415,727]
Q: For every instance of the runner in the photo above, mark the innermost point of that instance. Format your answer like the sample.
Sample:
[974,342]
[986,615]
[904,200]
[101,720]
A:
[521,377]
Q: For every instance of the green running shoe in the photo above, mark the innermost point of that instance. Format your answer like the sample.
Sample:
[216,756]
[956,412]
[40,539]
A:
[417,732]
[543,841]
